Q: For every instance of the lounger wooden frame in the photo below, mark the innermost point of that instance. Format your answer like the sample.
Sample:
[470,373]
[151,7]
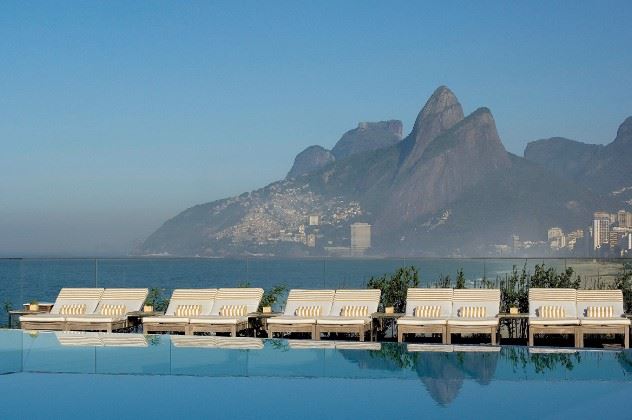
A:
[402,330]
[295,299]
[233,329]
[97,326]
[566,296]
[43,325]
[354,297]
[293,328]
[472,329]
[600,298]
[360,329]
[419,297]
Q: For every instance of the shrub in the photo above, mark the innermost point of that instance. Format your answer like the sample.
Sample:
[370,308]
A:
[395,287]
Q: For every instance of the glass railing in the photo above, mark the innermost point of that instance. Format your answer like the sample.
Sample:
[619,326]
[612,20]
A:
[25,279]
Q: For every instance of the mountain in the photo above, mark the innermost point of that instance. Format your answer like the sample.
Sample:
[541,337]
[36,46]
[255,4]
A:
[602,168]
[366,137]
[448,188]
[310,160]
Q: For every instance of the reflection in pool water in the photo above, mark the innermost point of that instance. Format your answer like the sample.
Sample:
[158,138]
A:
[445,372]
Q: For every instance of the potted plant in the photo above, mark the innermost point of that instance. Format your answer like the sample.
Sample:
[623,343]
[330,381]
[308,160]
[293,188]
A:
[34,306]
[270,297]
[155,301]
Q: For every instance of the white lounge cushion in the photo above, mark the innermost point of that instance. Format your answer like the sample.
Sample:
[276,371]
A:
[342,320]
[605,321]
[96,318]
[413,320]
[165,319]
[218,320]
[42,318]
[473,322]
[558,321]
[288,320]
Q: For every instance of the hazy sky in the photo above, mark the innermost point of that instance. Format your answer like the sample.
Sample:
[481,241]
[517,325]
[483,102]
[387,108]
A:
[115,116]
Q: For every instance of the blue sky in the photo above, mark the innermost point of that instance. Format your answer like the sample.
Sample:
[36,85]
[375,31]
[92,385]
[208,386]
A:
[115,116]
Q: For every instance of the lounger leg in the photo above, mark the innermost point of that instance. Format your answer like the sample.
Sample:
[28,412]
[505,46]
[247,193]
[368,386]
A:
[531,333]
[400,335]
[109,328]
[316,335]
[579,338]
[448,336]
[270,333]
[233,331]
[361,332]
[493,334]
[626,337]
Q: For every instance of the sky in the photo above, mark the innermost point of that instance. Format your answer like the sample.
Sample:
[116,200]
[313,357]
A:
[115,116]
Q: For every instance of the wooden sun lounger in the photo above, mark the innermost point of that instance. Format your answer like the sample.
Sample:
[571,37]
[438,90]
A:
[55,320]
[563,298]
[131,299]
[616,324]
[171,321]
[418,297]
[289,322]
[486,298]
[346,324]
[216,322]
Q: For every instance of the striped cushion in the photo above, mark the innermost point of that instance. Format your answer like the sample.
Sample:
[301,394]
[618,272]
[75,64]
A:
[552,312]
[307,311]
[188,310]
[599,312]
[110,309]
[354,311]
[427,311]
[472,312]
[233,310]
[73,309]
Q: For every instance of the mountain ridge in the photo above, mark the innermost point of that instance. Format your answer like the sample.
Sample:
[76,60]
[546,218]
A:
[448,188]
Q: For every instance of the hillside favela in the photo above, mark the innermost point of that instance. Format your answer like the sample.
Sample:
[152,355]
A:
[315,209]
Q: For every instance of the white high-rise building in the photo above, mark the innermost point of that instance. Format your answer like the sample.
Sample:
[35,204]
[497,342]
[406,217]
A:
[601,229]
[360,238]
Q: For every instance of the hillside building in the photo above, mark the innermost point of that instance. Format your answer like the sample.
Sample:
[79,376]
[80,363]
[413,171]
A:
[601,229]
[360,238]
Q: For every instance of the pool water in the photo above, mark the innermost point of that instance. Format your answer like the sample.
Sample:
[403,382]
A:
[99,375]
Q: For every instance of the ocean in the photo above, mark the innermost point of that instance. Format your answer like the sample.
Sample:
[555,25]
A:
[25,279]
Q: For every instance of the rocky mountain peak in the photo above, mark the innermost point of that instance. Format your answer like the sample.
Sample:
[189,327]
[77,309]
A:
[310,160]
[440,113]
[368,136]
[624,133]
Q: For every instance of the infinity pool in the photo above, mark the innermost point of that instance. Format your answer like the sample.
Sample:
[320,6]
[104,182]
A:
[134,376]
